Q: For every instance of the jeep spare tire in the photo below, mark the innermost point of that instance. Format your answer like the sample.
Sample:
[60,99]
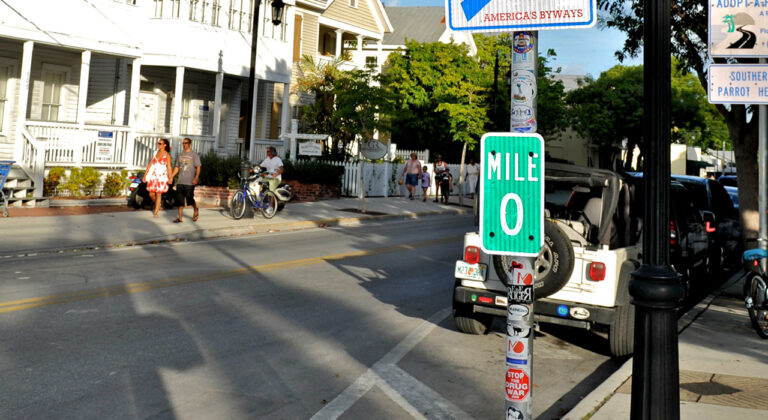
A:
[553,266]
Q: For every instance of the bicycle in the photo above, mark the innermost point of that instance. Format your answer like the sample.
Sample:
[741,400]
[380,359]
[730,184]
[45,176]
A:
[756,291]
[258,196]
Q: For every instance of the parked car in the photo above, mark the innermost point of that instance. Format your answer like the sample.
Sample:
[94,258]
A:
[725,241]
[592,244]
[689,241]
[733,192]
[728,180]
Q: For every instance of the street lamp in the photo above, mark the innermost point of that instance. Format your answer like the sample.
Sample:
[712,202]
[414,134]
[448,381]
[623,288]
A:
[277,18]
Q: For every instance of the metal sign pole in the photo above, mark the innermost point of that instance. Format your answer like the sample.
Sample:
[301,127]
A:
[518,381]
[762,172]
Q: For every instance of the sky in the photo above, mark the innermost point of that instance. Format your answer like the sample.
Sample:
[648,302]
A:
[579,51]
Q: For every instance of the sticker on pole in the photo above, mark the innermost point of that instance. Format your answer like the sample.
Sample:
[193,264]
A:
[512,193]
[517,384]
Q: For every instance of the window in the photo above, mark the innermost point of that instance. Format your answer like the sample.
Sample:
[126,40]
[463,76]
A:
[53,83]
[215,12]
[202,10]
[5,75]
[158,8]
[233,15]
[371,61]
[186,111]
[193,9]
[250,15]
[175,8]
[353,3]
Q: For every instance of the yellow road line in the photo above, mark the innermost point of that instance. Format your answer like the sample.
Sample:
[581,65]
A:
[40,301]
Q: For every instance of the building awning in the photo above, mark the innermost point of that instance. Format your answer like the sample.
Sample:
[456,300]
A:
[75,24]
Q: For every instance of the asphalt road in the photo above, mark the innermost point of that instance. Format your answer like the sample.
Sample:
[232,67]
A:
[327,323]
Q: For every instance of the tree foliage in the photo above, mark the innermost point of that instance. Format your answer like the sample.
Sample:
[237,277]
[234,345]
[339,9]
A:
[689,27]
[349,104]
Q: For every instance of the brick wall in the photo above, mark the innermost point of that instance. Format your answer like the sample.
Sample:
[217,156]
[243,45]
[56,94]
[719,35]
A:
[220,196]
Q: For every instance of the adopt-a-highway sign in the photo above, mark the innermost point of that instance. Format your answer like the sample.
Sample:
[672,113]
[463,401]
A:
[512,193]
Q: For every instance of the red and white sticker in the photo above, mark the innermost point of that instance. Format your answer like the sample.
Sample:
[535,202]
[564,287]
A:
[522,273]
[517,348]
[518,385]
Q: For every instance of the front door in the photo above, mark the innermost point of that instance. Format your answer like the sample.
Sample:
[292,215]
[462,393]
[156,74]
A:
[147,118]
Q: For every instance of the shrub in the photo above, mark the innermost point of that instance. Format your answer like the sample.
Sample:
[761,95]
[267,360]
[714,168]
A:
[219,171]
[52,181]
[313,172]
[90,178]
[115,183]
[72,183]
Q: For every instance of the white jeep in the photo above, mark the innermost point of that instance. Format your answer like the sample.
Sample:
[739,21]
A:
[592,244]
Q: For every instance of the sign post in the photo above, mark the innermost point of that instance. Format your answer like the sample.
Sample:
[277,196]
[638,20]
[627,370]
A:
[512,223]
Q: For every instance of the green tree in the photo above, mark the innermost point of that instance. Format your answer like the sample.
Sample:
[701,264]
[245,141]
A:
[437,97]
[348,105]
[608,110]
[689,45]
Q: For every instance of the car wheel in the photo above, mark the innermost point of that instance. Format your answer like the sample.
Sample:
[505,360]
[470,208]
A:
[553,266]
[470,322]
[621,334]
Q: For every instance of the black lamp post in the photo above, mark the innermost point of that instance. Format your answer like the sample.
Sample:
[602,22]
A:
[277,17]
[655,287]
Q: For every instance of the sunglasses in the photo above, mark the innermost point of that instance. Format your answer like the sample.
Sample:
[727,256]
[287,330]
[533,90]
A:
[160,143]
[187,142]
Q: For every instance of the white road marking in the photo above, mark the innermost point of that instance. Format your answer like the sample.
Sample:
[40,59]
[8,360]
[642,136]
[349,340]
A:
[405,390]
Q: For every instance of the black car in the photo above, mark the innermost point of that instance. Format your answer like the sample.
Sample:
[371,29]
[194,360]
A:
[689,240]
[725,241]
[728,180]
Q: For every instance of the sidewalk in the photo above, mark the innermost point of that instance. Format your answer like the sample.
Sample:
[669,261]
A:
[723,366]
[83,228]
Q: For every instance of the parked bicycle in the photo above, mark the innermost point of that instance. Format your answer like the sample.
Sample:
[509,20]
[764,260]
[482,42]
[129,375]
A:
[254,193]
[756,291]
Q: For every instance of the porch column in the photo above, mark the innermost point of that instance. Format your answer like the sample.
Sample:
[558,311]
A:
[285,117]
[379,59]
[21,115]
[82,98]
[339,45]
[360,57]
[178,93]
[251,146]
[217,103]
[133,112]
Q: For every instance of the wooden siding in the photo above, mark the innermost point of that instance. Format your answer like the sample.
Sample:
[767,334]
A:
[309,33]
[102,96]
[163,80]
[359,16]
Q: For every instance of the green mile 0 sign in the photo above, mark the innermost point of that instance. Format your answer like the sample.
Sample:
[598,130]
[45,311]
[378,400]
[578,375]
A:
[512,193]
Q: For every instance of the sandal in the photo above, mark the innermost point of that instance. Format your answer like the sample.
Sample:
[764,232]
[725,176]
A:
[194,217]
[177,220]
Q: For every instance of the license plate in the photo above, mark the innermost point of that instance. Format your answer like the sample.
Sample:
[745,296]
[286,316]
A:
[465,270]
[134,185]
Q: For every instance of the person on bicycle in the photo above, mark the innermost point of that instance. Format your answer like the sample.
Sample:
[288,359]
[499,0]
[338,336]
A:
[273,166]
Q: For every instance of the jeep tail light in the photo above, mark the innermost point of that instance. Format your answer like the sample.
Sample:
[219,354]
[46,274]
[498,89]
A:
[484,299]
[472,254]
[596,271]
[709,228]
[672,233]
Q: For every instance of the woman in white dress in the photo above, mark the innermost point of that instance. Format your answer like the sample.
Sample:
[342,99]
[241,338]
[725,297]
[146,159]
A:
[473,173]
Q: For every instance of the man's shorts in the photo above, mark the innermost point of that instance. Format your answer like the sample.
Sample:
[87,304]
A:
[187,193]
[412,179]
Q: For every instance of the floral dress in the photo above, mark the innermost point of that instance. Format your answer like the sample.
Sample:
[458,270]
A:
[157,178]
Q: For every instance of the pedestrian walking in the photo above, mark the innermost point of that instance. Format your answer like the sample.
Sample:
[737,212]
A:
[440,167]
[156,175]
[424,182]
[473,173]
[446,184]
[413,169]
[188,167]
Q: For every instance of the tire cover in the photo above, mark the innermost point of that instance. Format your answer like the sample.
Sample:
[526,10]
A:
[554,266]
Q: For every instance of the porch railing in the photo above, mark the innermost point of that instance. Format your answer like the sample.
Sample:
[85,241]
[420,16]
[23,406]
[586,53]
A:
[145,146]
[69,144]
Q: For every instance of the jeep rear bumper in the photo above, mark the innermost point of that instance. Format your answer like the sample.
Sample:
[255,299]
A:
[546,310]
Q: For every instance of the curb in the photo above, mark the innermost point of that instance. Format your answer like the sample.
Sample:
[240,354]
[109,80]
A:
[243,230]
[595,400]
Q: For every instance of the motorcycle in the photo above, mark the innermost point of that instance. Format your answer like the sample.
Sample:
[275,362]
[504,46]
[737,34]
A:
[139,197]
[283,191]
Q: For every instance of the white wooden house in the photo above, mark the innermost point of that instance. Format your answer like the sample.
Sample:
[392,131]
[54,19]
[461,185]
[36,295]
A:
[97,82]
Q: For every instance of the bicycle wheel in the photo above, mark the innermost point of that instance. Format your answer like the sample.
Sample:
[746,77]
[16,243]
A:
[757,306]
[268,204]
[238,205]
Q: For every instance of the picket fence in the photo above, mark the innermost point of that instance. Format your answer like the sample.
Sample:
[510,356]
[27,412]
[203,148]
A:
[381,179]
